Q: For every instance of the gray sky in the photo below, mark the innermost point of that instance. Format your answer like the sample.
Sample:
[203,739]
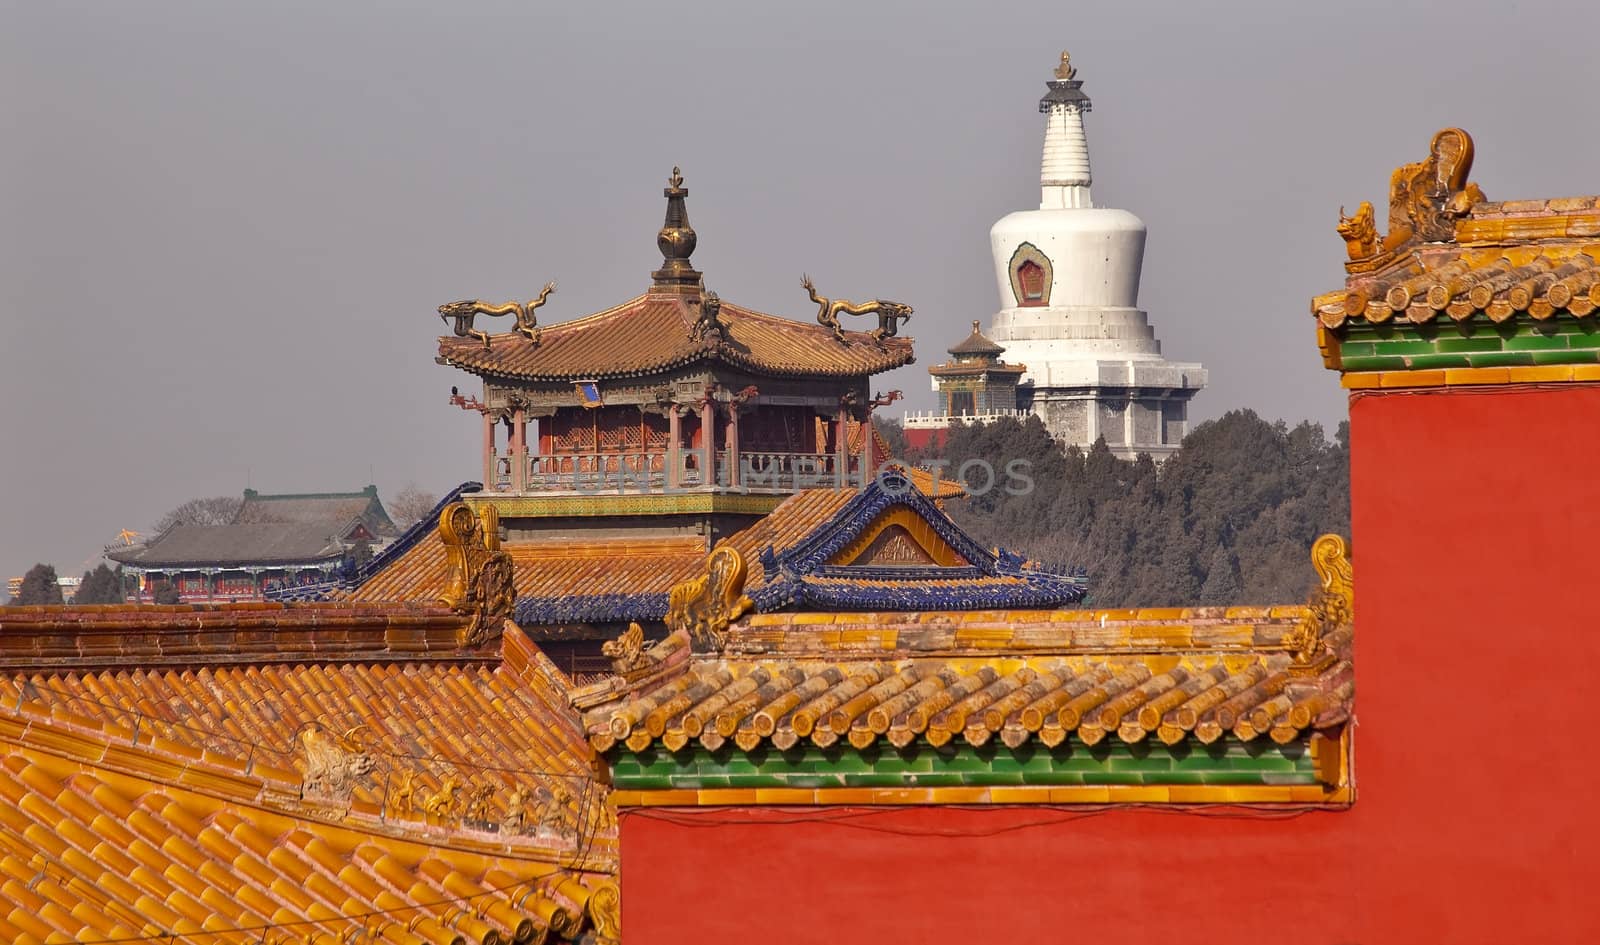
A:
[226,229]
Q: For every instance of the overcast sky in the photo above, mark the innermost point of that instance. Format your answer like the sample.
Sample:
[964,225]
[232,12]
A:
[226,229]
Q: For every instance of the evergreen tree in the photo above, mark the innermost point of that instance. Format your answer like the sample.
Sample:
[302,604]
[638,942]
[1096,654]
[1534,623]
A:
[166,593]
[39,586]
[1222,579]
[1229,518]
[894,434]
[100,586]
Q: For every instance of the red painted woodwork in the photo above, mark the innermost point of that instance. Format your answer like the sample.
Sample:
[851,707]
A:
[1031,276]
[1475,525]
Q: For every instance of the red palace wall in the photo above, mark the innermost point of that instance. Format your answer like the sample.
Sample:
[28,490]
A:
[1476,527]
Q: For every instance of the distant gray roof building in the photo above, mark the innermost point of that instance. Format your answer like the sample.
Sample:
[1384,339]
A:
[222,546]
[317,508]
[273,541]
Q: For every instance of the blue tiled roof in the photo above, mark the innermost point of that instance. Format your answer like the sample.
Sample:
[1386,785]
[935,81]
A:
[999,579]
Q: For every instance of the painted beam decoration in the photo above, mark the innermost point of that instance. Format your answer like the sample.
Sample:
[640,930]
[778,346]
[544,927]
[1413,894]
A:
[1462,291]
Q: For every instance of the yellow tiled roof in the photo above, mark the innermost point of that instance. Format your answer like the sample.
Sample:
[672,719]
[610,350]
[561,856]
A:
[164,776]
[1460,282]
[550,568]
[654,333]
[1007,675]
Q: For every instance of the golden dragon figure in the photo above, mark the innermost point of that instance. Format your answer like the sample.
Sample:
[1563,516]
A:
[890,314]
[464,311]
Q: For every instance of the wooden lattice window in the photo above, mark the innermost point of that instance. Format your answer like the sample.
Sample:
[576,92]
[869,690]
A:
[655,433]
[572,435]
[619,433]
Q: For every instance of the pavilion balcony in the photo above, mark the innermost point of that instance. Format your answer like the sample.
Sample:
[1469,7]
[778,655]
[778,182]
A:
[687,470]
[937,420]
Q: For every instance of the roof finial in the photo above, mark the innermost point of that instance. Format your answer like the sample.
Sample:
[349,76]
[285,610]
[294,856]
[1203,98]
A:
[1066,70]
[676,241]
[1064,173]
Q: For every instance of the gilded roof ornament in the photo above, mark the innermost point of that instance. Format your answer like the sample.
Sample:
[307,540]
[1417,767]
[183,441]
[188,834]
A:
[890,314]
[333,763]
[464,311]
[706,605]
[1360,232]
[480,582]
[1066,70]
[676,240]
[1330,607]
[627,654]
[1426,198]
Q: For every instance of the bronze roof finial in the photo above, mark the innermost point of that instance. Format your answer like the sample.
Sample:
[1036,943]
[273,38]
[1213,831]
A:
[1065,70]
[676,241]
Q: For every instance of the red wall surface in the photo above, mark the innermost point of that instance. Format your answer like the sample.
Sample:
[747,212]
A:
[1476,547]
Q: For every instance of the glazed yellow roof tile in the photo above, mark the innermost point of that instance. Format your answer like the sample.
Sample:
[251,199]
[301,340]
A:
[550,568]
[1013,676]
[90,855]
[1461,282]
[653,333]
[160,779]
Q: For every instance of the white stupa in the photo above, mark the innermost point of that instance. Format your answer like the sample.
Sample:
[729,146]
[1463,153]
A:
[1068,276]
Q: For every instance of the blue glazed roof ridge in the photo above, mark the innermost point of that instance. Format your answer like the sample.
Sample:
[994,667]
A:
[918,596]
[603,608]
[825,540]
[409,538]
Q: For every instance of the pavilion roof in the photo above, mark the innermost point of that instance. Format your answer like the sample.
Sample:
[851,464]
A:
[611,580]
[655,332]
[977,345]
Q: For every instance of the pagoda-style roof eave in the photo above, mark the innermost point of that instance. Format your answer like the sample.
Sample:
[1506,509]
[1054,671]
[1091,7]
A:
[656,333]
[718,357]
[957,370]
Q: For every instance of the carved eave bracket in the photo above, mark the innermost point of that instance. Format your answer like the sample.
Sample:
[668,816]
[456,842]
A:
[1426,198]
[704,606]
[480,578]
[1330,607]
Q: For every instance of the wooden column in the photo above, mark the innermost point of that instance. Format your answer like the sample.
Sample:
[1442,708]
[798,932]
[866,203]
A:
[488,451]
[866,448]
[841,450]
[674,447]
[733,445]
[708,442]
[519,450]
